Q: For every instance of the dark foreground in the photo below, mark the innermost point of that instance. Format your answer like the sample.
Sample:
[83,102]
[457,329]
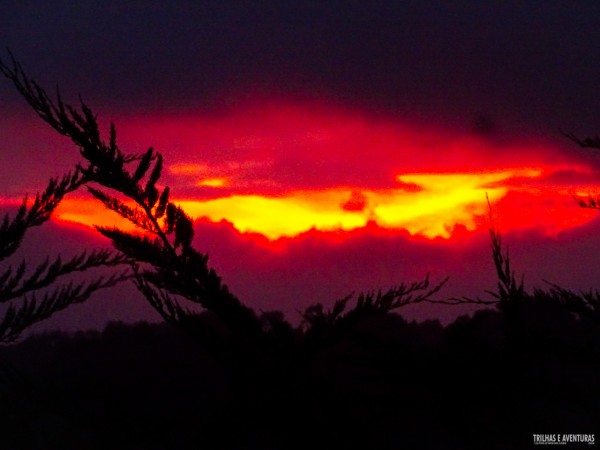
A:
[388,385]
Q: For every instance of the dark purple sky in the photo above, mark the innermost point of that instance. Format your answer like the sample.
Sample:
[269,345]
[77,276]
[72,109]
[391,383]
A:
[527,63]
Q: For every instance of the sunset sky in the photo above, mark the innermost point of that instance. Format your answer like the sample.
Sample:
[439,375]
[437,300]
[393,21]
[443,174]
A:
[326,147]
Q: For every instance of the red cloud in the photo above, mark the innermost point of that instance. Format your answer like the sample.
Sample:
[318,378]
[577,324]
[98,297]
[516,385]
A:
[356,202]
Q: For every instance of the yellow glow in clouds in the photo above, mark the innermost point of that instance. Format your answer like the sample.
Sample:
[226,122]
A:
[441,202]
[429,205]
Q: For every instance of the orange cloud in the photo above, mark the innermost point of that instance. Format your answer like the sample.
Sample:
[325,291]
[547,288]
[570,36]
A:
[442,203]
[282,169]
[90,212]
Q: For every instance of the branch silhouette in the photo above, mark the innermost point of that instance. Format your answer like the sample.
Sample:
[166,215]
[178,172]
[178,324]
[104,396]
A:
[12,230]
[167,269]
[587,142]
[588,201]
[19,289]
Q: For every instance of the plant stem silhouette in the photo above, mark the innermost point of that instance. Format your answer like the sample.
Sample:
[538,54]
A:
[20,289]
[167,268]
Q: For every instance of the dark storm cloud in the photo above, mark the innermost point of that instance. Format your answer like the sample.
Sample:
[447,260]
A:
[514,63]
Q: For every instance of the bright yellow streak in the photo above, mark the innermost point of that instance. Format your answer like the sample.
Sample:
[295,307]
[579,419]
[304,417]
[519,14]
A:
[213,182]
[445,201]
[280,216]
[442,202]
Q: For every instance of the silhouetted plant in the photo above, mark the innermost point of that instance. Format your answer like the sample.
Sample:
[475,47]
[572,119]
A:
[588,142]
[589,201]
[167,267]
[167,263]
[20,289]
[510,293]
[326,325]
[584,304]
